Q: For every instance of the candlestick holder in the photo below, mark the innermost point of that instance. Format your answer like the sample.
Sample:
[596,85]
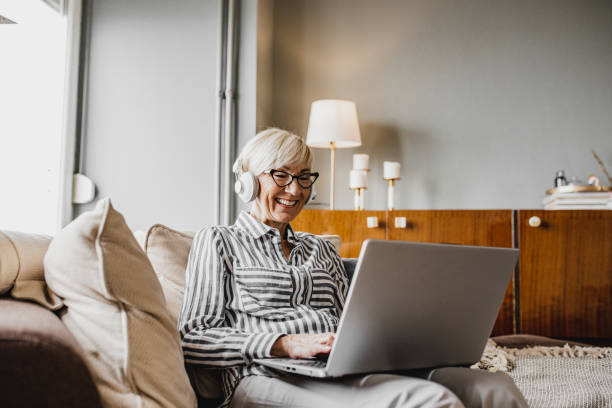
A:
[391,193]
[359,198]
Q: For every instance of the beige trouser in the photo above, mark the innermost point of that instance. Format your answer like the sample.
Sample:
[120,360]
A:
[475,388]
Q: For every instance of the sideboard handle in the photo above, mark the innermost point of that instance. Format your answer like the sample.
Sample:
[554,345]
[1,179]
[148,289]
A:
[400,222]
[372,222]
[535,221]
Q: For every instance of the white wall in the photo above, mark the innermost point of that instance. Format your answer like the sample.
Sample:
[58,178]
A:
[150,109]
[481,101]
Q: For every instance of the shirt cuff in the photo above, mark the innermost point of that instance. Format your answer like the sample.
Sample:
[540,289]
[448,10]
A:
[259,345]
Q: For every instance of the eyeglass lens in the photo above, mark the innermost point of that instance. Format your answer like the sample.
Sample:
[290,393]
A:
[283,179]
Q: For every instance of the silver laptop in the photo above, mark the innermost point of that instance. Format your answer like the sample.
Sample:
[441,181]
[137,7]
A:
[414,305]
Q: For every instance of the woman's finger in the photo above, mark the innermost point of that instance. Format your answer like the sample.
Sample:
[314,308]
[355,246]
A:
[327,338]
[321,349]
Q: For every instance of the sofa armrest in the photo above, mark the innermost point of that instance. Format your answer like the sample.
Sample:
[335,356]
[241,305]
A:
[40,361]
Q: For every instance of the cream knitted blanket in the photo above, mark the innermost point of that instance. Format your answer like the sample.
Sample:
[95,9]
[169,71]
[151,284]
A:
[560,377]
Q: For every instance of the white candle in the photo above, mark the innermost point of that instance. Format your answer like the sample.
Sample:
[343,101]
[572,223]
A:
[358,178]
[361,161]
[356,201]
[391,170]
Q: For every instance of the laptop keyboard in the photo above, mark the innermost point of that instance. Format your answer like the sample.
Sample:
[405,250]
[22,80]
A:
[310,363]
[306,362]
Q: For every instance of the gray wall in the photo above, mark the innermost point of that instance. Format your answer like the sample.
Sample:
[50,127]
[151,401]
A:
[481,101]
[150,109]
[265,63]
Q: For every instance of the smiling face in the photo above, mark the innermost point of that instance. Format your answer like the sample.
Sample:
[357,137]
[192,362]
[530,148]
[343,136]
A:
[280,205]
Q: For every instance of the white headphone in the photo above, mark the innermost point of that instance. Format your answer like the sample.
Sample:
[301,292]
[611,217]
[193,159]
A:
[247,188]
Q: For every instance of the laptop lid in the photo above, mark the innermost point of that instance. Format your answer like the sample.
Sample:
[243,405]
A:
[416,305]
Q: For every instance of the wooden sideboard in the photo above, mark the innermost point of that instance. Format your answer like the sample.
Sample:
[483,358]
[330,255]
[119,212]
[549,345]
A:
[562,286]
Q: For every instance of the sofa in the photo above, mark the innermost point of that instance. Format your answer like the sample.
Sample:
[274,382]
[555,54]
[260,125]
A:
[65,302]
[88,318]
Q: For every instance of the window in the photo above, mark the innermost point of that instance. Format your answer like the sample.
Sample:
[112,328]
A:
[32,44]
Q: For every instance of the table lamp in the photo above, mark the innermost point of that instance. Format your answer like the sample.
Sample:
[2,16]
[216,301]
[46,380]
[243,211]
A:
[333,125]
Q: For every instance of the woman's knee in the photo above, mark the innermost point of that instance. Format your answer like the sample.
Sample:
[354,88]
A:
[401,391]
[478,388]
[439,396]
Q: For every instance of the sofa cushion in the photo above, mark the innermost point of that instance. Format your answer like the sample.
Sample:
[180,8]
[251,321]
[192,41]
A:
[116,311]
[21,268]
[168,251]
[334,239]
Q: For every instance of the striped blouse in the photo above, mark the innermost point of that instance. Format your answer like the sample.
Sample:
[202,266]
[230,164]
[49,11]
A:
[242,293]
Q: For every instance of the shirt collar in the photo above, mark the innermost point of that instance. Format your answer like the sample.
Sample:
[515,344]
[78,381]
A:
[291,237]
[257,228]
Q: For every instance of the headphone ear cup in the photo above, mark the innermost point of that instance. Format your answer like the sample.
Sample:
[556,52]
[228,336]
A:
[247,187]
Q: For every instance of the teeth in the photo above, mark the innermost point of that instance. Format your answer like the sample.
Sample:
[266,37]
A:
[286,202]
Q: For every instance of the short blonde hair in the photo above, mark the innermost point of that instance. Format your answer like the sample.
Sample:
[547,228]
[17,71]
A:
[272,148]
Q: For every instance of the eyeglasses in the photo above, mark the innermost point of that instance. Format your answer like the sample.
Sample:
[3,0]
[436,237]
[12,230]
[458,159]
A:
[283,179]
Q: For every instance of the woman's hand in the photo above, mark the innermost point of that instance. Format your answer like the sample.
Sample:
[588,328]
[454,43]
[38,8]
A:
[302,345]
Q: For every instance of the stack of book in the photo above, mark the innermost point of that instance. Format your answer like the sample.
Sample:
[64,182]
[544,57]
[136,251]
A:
[579,201]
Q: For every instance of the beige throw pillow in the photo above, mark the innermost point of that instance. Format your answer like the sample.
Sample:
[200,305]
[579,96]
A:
[168,251]
[21,268]
[116,310]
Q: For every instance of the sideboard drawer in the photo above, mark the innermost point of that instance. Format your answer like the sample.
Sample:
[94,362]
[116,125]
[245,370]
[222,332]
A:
[352,226]
[462,227]
[566,273]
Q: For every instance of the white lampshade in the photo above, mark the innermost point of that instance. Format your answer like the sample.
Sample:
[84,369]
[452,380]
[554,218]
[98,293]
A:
[333,120]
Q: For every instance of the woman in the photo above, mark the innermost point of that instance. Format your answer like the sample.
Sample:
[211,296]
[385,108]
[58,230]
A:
[259,289]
